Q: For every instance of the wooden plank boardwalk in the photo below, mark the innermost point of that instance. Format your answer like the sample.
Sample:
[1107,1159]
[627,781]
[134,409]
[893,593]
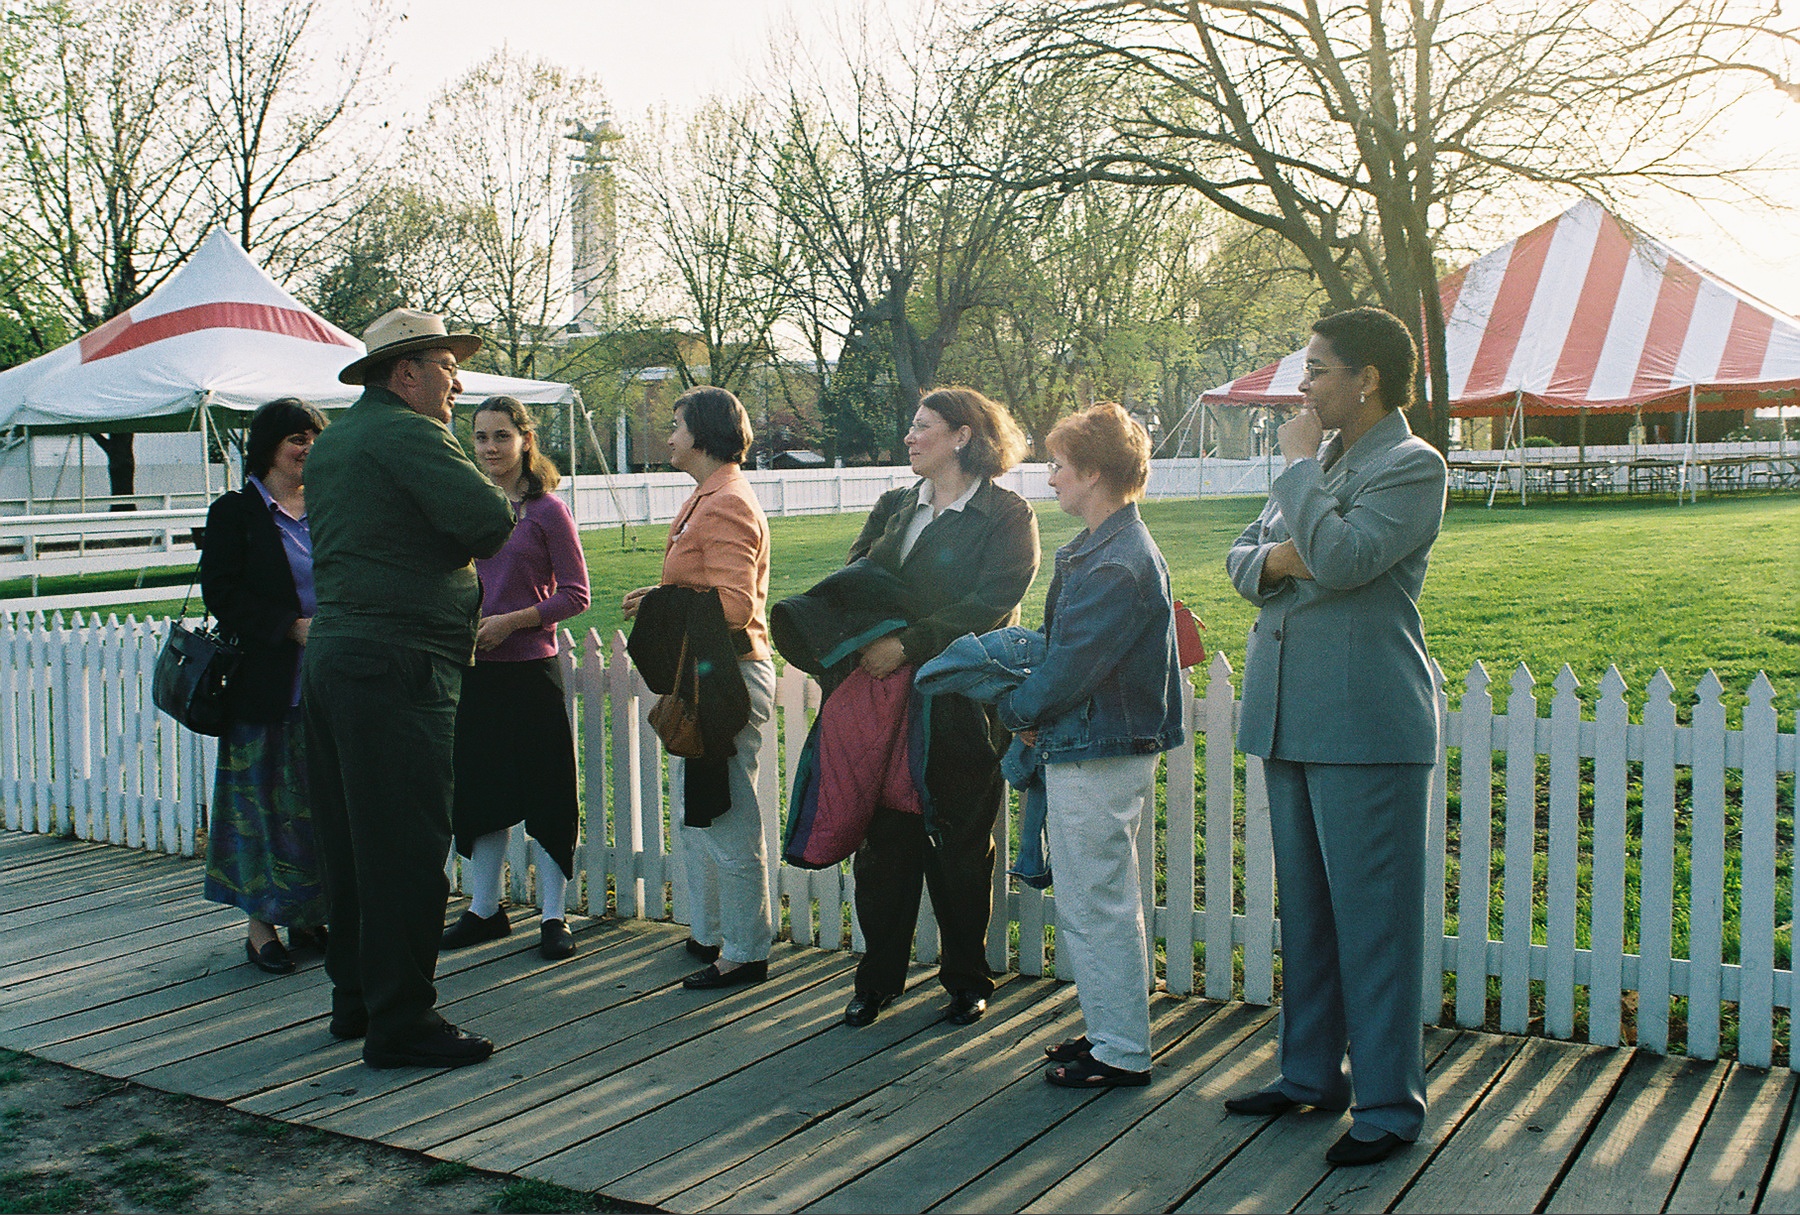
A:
[611,1077]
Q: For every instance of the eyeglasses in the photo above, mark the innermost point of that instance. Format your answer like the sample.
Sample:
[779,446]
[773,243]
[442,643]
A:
[1053,466]
[1315,369]
[450,367]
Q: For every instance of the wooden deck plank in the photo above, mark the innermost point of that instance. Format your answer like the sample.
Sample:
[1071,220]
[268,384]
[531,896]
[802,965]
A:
[1282,1161]
[649,1069]
[1635,1156]
[1725,1173]
[1460,1079]
[379,1104]
[985,1138]
[612,1077]
[779,1101]
[1507,1154]
[963,1071]
[1138,1172]
[1209,1033]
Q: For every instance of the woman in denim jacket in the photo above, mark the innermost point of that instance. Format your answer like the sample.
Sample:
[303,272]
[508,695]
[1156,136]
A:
[1103,705]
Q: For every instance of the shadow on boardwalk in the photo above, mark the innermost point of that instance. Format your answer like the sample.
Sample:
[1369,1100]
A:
[611,1077]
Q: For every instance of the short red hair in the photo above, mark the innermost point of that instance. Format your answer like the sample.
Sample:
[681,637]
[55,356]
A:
[1103,438]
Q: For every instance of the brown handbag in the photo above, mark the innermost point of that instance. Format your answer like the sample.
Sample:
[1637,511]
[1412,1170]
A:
[675,720]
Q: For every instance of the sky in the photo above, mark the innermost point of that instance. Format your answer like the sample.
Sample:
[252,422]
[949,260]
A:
[651,53]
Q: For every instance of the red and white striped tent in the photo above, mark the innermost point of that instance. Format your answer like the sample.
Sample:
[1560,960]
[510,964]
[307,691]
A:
[1588,313]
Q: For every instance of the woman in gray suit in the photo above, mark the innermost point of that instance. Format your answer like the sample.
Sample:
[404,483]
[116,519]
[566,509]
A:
[1338,701]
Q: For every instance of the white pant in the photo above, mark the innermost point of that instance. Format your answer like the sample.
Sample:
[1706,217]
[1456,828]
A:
[1094,809]
[727,863]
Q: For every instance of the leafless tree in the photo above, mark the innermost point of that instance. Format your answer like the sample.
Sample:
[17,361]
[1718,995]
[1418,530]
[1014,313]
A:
[1362,131]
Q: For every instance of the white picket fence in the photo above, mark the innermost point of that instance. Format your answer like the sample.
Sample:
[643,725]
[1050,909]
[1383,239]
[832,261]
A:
[83,754]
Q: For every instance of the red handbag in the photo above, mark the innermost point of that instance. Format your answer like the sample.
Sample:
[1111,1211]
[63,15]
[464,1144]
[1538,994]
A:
[1188,646]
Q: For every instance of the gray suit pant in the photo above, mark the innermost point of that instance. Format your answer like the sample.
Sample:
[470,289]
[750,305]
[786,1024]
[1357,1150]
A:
[1350,873]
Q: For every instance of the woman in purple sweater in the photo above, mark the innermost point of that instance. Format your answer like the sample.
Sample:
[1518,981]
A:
[515,756]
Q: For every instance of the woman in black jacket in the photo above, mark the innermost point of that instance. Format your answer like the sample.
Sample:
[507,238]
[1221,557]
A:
[967,551]
[256,575]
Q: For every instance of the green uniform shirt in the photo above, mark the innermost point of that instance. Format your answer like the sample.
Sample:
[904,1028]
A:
[398,514]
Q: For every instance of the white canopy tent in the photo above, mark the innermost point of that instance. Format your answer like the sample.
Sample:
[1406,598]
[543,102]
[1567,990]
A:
[218,334]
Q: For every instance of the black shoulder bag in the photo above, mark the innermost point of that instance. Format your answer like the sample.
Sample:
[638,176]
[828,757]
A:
[193,671]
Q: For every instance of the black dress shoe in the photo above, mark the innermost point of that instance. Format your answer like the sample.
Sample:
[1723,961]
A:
[1351,1151]
[308,938]
[965,1008]
[273,958]
[864,1009]
[1262,1104]
[554,941]
[706,953]
[351,1024]
[473,929]
[711,977]
[445,1046]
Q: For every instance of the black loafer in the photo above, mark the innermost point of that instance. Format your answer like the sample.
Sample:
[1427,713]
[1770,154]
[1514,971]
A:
[349,1025]
[445,1046]
[711,977]
[473,929]
[706,953]
[1262,1104]
[554,941]
[965,1008]
[864,1009]
[1350,1151]
[273,958]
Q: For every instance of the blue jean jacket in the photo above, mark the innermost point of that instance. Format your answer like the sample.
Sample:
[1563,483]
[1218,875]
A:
[1109,683]
[982,668]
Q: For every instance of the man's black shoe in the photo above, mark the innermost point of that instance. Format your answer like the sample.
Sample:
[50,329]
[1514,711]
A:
[473,929]
[445,1046]
[965,1008]
[1351,1151]
[864,1009]
[350,1024]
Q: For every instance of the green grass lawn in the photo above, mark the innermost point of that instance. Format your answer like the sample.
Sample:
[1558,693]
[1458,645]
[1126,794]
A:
[1640,584]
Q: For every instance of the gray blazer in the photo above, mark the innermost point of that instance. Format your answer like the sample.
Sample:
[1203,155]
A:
[1335,669]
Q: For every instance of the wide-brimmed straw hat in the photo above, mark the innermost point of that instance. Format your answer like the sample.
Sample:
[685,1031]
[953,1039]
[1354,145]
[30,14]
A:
[406,331]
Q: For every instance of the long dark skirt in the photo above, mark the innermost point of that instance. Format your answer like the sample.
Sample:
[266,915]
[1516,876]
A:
[260,852]
[515,757]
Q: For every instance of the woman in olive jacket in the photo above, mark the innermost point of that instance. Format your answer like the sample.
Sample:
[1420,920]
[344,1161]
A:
[968,551]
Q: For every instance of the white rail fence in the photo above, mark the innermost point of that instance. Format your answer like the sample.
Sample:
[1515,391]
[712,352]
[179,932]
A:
[1675,929]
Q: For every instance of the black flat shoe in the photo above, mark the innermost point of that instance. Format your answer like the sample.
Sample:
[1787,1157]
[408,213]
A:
[711,977]
[445,1046]
[272,958]
[1350,1151]
[706,953]
[554,941]
[473,929]
[965,1008]
[864,1009]
[347,1025]
[1262,1104]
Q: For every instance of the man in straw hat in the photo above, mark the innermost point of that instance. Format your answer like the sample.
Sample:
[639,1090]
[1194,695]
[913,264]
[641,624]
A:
[398,513]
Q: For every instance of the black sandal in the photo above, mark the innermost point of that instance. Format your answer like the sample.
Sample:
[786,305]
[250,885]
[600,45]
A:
[1070,1051]
[1089,1072]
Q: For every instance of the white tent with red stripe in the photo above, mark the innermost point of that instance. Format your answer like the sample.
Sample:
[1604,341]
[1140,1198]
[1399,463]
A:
[219,333]
[1588,313]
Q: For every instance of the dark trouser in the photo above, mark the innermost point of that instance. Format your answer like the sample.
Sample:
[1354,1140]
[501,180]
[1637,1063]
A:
[892,864]
[380,729]
[1350,872]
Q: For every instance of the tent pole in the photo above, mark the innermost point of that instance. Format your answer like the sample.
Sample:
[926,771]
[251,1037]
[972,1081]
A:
[205,453]
[1200,451]
[1685,486]
[30,482]
[1519,412]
